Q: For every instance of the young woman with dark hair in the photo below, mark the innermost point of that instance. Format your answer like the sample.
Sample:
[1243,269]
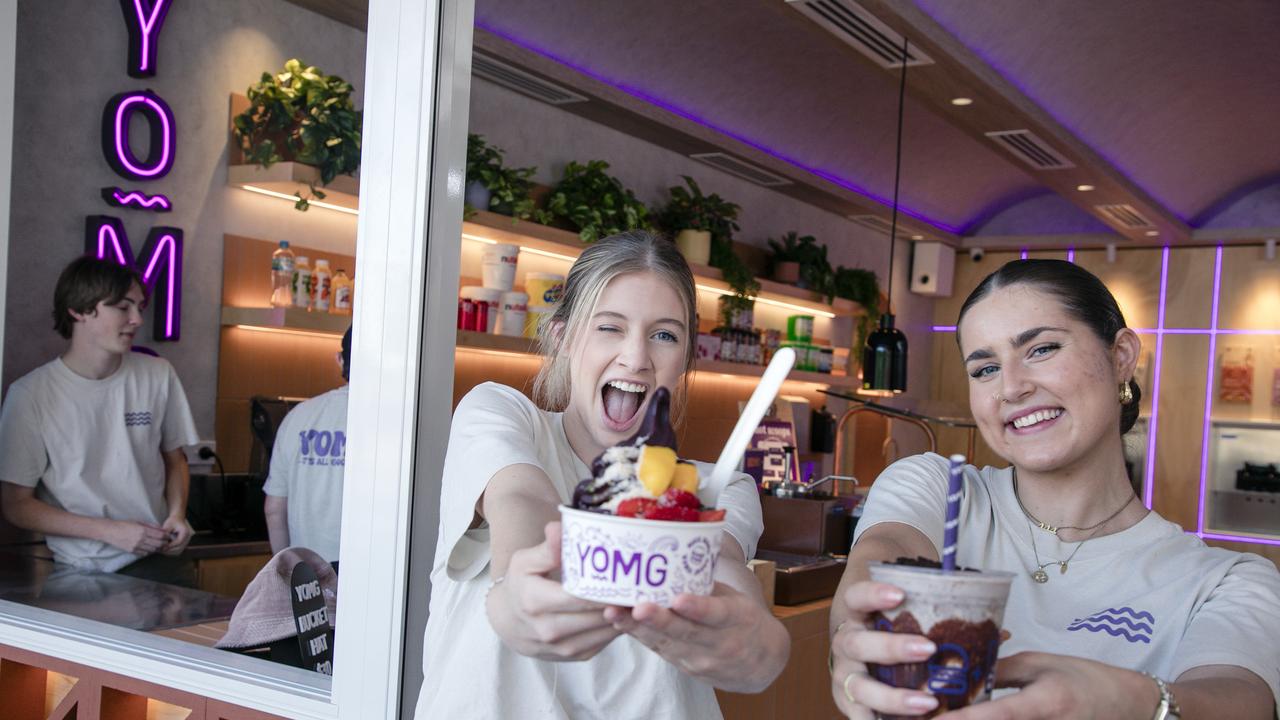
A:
[1107,596]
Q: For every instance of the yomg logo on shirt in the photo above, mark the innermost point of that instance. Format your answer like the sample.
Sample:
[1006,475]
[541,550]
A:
[322,447]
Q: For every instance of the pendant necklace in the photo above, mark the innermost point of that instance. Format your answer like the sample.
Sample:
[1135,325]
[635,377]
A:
[1039,575]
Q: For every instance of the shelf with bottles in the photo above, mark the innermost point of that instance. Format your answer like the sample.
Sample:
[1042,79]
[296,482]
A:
[564,246]
[289,319]
[505,345]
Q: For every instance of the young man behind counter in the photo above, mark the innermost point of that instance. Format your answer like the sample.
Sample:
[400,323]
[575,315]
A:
[91,442]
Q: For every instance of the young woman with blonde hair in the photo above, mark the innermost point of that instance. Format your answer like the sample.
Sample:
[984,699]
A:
[504,640]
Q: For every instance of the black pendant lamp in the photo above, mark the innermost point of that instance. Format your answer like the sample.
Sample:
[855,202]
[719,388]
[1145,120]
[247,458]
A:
[884,360]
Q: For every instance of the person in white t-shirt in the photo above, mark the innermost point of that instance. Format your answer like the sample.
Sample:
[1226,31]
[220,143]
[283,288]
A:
[503,639]
[1107,596]
[304,484]
[91,443]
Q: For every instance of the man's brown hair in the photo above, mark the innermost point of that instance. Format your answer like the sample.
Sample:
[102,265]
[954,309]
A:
[86,282]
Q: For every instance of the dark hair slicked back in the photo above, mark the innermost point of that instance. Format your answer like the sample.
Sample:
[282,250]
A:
[1081,294]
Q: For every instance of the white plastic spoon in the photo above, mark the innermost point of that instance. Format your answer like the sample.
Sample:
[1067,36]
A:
[757,406]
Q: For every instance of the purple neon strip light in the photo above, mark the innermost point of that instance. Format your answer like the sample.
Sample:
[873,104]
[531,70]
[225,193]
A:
[147,23]
[172,244]
[1208,387]
[1071,255]
[1239,538]
[1024,253]
[690,116]
[122,136]
[1149,488]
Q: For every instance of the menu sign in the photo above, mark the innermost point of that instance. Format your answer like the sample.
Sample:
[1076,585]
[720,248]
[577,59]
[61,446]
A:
[311,618]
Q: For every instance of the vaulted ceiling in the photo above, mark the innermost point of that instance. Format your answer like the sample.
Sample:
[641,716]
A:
[1170,109]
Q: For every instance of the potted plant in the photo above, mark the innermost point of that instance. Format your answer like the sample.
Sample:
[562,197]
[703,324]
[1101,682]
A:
[303,115]
[861,287]
[739,278]
[592,202]
[694,220]
[789,254]
[493,186]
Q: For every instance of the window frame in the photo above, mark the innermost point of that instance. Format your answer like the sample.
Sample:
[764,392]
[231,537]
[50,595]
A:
[411,191]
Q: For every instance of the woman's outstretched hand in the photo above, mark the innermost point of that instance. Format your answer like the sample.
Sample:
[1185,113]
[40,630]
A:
[1060,686]
[857,694]
[533,614]
[728,638]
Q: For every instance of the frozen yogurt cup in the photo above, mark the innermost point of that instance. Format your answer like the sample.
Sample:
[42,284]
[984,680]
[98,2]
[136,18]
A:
[627,561]
[961,612]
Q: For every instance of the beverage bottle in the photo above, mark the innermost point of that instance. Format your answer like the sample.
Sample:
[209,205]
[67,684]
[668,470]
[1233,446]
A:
[302,282]
[343,290]
[321,286]
[282,276]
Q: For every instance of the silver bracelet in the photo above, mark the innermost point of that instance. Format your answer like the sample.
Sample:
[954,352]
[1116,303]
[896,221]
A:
[1168,708]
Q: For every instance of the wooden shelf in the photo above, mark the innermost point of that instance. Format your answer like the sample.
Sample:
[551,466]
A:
[290,178]
[468,340]
[562,243]
[295,319]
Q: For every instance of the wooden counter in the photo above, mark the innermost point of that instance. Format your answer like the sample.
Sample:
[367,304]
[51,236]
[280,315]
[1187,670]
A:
[803,690]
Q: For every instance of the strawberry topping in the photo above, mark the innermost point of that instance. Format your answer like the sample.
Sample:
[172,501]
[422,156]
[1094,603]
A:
[680,498]
[634,507]
[671,512]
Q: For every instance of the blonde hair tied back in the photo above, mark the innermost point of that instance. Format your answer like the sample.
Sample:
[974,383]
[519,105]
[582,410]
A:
[627,252]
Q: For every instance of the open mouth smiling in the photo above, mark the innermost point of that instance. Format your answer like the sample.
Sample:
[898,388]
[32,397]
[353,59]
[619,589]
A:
[622,400]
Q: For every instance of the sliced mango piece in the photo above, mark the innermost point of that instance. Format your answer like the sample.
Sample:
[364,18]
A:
[686,477]
[655,467]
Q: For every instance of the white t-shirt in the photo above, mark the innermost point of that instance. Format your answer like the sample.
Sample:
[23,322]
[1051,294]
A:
[307,463]
[469,671]
[1150,598]
[92,447]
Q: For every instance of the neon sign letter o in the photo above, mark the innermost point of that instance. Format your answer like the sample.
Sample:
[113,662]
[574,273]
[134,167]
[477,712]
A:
[115,135]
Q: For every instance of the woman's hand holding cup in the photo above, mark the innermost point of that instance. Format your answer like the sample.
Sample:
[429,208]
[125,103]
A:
[856,693]
[533,614]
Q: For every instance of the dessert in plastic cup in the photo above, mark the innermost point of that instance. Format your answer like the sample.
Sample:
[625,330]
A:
[636,531]
[961,612]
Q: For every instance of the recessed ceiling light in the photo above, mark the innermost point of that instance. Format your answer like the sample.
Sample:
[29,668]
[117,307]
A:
[962,101]
[917,237]
[1084,188]
[1152,233]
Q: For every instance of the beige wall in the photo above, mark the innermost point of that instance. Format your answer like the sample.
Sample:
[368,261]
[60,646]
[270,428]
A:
[1249,298]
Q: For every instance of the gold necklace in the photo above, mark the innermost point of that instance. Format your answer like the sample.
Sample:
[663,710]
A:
[1039,575]
[1049,528]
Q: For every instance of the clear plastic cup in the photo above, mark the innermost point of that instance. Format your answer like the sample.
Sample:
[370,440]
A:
[961,612]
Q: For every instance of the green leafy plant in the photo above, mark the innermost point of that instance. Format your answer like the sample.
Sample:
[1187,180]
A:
[737,274]
[689,209]
[594,203]
[861,287]
[304,115]
[815,269]
[510,189]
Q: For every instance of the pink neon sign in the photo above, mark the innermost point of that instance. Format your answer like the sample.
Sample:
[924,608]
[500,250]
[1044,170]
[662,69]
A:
[115,135]
[161,266]
[105,236]
[136,199]
[144,18]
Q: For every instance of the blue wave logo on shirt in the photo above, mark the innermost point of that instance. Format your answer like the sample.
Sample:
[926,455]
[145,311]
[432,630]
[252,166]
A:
[1133,625]
[134,419]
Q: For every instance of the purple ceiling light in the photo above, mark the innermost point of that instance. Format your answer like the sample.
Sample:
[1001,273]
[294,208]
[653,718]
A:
[695,118]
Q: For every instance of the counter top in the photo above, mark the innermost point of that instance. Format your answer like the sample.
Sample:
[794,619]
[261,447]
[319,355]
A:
[106,597]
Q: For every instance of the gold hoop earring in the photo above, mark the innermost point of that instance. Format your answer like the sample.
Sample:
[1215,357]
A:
[1126,393]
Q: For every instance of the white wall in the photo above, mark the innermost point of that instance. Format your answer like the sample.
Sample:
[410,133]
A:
[71,60]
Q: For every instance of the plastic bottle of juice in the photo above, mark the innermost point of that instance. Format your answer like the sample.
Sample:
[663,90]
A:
[343,291]
[282,265]
[302,283]
[321,286]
